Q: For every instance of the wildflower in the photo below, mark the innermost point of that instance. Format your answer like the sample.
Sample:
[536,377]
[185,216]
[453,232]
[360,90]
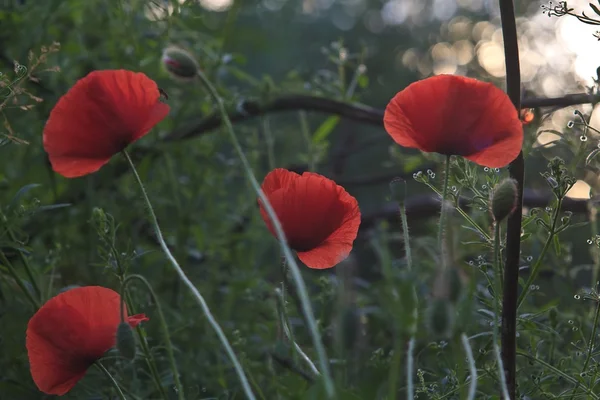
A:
[455,115]
[71,332]
[319,218]
[98,117]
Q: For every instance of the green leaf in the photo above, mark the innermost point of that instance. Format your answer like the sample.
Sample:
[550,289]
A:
[52,207]
[556,242]
[22,192]
[596,10]
[363,81]
[325,129]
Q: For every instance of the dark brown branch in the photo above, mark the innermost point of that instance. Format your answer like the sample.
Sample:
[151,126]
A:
[250,109]
[565,101]
[513,229]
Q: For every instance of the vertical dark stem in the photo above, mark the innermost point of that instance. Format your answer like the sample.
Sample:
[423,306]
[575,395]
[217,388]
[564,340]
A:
[513,230]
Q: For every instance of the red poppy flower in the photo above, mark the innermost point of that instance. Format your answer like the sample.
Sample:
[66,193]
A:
[69,333]
[320,219]
[454,115]
[98,117]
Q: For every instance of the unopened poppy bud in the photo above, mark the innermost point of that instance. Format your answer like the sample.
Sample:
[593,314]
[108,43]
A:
[179,63]
[398,189]
[448,285]
[440,317]
[504,199]
[125,341]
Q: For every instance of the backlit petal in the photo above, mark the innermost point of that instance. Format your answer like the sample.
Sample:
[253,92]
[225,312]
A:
[99,116]
[454,115]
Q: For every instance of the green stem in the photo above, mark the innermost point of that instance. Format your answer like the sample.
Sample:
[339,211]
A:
[410,390]
[415,316]
[595,252]
[472,367]
[150,361]
[591,344]
[291,261]
[395,367]
[406,237]
[165,329]
[466,216]
[140,332]
[560,373]
[24,260]
[213,322]
[497,291]
[309,143]
[19,281]
[443,210]
[538,262]
[592,341]
[101,367]
[287,329]
[270,142]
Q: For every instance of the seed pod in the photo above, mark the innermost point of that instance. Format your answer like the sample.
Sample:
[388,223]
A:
[398,189]
[126,341]
[504,199]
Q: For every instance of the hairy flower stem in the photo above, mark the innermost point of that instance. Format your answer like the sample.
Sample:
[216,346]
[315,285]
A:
[497,300]
[291,261]
[164,327]
[200,300]
[443,210]
[538,263]
[591,345]
[139,331]
[559,373]
[102,368]
[472,367]
[415,314]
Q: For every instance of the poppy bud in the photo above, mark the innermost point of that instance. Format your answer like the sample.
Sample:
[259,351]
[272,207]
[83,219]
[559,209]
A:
[125,341]
[448,285]
[398,189]
[504,199]
[179,63]
[440,317]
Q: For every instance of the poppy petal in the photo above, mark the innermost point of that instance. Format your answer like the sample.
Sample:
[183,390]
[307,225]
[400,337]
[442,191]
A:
[320,219]
[277,179]
[99,116]
[455,115]
[137,319]
[69,333]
